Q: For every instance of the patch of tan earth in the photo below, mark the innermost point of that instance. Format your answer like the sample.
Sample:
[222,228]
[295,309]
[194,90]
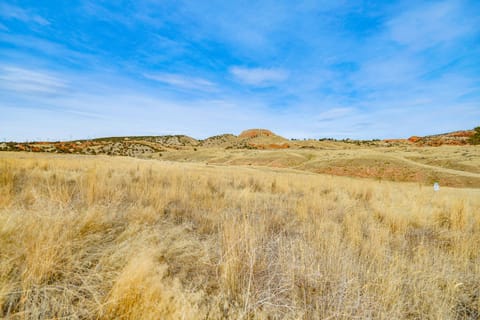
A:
[395,170]
[441,169]
[464,158]
[269,159]
[270,146]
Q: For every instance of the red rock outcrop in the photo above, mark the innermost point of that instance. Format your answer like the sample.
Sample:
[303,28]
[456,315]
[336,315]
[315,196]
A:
[253,133]
[451,138]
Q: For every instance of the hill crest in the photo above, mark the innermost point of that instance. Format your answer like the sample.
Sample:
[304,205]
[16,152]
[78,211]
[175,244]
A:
[461,137]
[253,133]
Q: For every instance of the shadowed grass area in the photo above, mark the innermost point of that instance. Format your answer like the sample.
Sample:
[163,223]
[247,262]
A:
[118,238]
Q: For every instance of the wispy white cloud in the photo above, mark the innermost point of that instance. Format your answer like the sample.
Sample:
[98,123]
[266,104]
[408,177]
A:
[258,76]
[182,81]
[113,105]
[389,71]
[334,114]
[427,25]
[101,12]
[246,28]
[28,81]
[37,47]
[340,70]
[110,106]
[8,11]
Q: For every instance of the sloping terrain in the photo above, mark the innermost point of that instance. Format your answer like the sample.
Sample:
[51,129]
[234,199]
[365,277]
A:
[148,145]
[460,166]
[119,146]
[443,158]
[451,138]
[221,141]
[262,139]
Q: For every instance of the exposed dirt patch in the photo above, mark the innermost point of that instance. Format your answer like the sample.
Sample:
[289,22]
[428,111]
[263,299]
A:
[395,171]
[270,146]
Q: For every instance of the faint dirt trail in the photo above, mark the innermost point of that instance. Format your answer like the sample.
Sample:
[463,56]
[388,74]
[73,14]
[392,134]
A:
[441,169]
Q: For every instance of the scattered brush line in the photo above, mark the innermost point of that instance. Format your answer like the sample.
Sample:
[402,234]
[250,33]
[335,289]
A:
[452,161]
[259,139]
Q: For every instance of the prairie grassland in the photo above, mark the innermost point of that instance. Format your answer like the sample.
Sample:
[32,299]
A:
[453,166]
[116,238]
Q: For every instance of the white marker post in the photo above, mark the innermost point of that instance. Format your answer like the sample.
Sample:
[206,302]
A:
[436,187]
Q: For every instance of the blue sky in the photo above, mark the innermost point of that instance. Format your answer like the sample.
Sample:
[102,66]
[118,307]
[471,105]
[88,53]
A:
[303,69]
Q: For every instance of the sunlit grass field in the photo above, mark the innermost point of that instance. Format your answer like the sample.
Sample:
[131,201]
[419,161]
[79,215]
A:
[85,237]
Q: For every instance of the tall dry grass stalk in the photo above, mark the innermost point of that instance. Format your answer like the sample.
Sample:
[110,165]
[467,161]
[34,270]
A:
[117,238]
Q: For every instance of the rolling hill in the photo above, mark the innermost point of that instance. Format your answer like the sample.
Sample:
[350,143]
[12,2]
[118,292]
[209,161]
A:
[446,158]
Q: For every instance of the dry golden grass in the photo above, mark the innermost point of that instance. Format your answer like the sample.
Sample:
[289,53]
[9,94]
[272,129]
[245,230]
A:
[118,238]
[453,166]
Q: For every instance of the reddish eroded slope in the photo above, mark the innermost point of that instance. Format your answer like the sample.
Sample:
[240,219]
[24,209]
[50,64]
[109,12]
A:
[451,138]
[253,133]
[263,139]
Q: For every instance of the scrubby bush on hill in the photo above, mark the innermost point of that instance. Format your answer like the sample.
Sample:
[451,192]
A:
[475,139]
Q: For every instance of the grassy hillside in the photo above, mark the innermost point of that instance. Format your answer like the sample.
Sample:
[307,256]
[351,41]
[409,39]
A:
[85,237]
[455,166]
[422,160]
